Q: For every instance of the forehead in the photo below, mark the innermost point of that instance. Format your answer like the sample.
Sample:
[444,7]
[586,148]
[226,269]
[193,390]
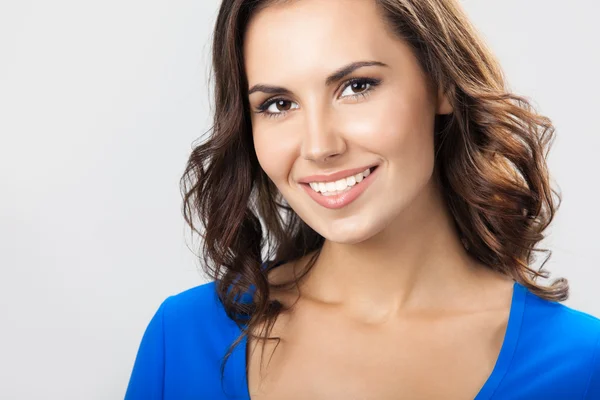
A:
[313,35]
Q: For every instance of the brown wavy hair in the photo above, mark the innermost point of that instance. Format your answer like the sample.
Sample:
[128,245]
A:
[491,155]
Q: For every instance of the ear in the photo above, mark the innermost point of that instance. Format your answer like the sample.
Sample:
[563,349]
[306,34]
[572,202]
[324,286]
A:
[443,105]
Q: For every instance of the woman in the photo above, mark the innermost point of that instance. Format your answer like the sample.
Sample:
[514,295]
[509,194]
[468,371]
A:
[370,151]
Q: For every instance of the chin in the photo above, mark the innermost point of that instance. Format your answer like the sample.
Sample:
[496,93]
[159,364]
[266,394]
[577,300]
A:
[351,230]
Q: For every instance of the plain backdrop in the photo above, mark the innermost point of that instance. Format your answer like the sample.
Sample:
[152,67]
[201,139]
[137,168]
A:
[99,105]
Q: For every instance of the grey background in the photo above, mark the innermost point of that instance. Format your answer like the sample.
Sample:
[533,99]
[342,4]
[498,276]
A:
[99,105]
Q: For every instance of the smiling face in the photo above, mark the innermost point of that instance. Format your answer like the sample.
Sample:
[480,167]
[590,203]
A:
[332,90]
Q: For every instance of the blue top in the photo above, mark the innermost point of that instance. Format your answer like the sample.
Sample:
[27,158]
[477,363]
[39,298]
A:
[550,351]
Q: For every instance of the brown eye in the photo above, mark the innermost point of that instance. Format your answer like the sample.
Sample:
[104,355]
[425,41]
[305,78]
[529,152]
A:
[277,107]
[358,87]
[283,105]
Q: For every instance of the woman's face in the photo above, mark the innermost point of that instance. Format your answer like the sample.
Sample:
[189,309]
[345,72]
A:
[379,112]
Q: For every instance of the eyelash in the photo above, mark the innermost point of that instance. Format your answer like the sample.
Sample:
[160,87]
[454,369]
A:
[373,83]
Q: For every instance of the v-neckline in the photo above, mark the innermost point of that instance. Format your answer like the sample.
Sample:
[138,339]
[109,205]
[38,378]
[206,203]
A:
[509,343]
[239,357]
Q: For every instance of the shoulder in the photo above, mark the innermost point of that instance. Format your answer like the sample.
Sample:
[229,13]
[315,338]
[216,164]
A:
[193,300]
[559,338]
[198,307]
[182,348]
[543,315]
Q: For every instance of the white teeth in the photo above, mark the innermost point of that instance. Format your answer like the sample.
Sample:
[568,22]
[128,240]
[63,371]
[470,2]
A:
[330,188]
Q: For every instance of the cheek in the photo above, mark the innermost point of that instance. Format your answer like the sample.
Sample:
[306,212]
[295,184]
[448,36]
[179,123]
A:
[276,153]
[411,146]
[395,127]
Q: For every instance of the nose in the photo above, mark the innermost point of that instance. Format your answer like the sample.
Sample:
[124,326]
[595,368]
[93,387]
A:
[321,139]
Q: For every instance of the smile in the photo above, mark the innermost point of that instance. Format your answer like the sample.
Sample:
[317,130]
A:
[340,193]
[339,186]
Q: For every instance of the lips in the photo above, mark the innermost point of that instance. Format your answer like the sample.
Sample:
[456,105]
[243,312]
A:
[335,176]
[342,199]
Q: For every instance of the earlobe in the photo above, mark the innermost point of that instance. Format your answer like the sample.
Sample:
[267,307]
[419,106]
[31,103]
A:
[443,102]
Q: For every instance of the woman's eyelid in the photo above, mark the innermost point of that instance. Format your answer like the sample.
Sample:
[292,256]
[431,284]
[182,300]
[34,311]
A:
[269,102]
[368,81]
[372,82]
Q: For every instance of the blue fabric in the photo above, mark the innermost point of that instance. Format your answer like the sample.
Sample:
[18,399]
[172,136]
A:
[550,351]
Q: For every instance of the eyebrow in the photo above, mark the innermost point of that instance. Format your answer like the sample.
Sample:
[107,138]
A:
[336,76]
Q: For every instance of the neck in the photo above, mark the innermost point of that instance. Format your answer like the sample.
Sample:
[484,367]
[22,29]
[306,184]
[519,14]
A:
[416,262]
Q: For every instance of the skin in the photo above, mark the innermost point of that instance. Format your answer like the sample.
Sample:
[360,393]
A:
[394,299]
